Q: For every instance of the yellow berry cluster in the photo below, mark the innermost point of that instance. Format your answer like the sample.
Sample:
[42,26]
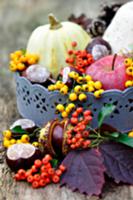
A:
[65,110]
[8,139]
[129,71]
[20,60]
[130,134]
[59,85]
[81,85]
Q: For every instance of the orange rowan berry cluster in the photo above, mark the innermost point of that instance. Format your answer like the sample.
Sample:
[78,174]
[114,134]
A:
[79,59]
[78,135]
[20,60]
[41,173]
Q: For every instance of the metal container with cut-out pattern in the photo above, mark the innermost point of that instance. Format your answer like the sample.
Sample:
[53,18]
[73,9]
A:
[35,102]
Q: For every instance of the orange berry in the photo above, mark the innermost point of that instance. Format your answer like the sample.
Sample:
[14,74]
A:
[43,168]
[62,168]
[17,177]
[74,140]
[44,175]
[51,171]
[74,44]
[47,180]
[38,163]
[58,172]
[42,183]
[35,184]
[48,157]
[30,179]
[48,166]
[36,177]
[33,169]
[55,179]
[21,172]
[28,173]
[73,146]
[79,110]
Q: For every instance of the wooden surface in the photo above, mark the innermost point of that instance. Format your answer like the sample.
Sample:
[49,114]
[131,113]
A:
[16,23]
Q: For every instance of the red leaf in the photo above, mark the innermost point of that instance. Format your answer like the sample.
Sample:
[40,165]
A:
[85,172]
[118,160]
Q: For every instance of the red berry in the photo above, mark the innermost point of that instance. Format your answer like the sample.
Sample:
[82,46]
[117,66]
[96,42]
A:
[79,110]
[78,135]
[73,146]
[44,175]
[74,120]
[35,184]
[69,136]
[88,142]
[43,168]
[21,172]
[88,118]
[55,179]
[17,177]
[75,114]
[48,166]
[30,179]
[82,127]
[69,141]
[74,44]
[42,183]
[78,144]
[67,60]
[62,168]
[58,172]
[36,177]
[28,173]
[71,60]
[33,169]
[47,180]
[74,140]
[38,163]
[81,140]
[44,161]
[85,133]
[51,171]
[69,132]
[87,113]
[48,157]
[70,52]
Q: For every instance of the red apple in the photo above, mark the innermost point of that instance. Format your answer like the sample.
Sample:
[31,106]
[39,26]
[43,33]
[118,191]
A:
[110,70]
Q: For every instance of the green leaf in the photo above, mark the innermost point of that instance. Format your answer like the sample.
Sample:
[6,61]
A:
[54,163]
[105,111]
[114,135]
[18,129]
[124,139]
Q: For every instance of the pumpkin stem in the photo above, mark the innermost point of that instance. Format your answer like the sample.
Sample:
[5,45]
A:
[54,23]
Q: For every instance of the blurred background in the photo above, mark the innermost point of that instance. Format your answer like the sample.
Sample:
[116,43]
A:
[18,18]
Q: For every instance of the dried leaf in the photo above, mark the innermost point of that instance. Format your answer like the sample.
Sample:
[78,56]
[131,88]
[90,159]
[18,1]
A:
[118,160]
[85,172]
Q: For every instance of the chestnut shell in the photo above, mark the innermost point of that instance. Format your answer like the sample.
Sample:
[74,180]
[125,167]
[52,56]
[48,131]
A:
[23,163]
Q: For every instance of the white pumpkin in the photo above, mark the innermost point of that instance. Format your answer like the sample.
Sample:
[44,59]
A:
[52,41]
[120,32]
